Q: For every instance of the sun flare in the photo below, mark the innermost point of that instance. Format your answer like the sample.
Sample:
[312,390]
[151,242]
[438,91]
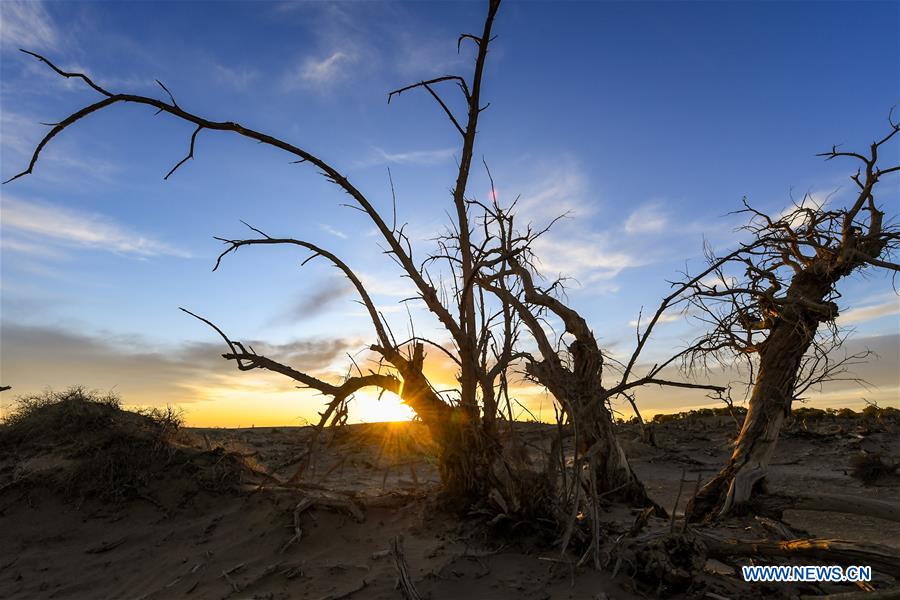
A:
[369,408]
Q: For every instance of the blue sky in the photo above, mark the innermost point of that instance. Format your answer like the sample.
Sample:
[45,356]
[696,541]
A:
[648,121]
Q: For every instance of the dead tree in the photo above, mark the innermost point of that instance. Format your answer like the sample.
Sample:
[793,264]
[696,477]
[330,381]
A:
[574,376]
[463,425]
[779,312]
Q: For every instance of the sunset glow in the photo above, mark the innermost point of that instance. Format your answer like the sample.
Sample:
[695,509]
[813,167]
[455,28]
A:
[442,299]
[368,408]
[98,250]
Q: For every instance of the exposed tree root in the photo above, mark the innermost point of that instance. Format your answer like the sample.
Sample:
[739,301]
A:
[711,503]
[404,582]
[333,500]
[298,531]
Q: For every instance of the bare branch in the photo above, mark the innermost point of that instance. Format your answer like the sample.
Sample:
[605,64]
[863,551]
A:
[403,257]
[190,153]
[81,76]
[377,321]
[459,80]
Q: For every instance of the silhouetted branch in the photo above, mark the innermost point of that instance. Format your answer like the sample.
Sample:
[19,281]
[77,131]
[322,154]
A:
[250,360]
[190,153]
[366,299]
[428,294]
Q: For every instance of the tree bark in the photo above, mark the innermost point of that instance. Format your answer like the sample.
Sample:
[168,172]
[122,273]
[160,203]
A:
[780,357]
[597,440]
[579,393]
[816,248]
[471,461]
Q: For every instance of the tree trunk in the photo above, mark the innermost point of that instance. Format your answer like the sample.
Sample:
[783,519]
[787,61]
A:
[770,403]
[580,395]
[780,357]
[471,460]
[477,473]
[462,452]
[596,438]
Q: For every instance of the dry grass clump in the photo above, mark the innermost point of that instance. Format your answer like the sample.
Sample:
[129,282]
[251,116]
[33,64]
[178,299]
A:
[78,416]
[83,444]
[871,468]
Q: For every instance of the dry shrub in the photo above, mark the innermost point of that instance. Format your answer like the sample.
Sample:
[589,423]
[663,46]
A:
[671,562]
[808,413]
[57,414]
[871,468]
[881,414]
[719,411]
[82,444]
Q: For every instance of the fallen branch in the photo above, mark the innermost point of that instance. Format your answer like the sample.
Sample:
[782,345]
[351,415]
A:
[106,546]
[777,528]
[326,499]
[881,558]
[405,581]
[298,532]
[227,575]
[855,505]
[341,503]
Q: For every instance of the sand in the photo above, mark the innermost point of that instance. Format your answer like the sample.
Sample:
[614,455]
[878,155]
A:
[228,538]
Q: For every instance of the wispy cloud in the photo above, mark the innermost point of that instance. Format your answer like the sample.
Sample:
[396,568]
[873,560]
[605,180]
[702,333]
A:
[387,284]
[27,25]
[424,56]
[811,200]
[22,132]
[551,191]
[380,156]
[664,318]
[868,313]
[724,282]
[573,247]
[36,357]
[239,78]
[588,258]
[335,232]
[320,73]
[66,226]
[649,218]
[385,38]
[18,133]
[137,79]
[322,298]
[8,244]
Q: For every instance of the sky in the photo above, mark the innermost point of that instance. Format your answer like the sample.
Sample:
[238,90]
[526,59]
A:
[647,122]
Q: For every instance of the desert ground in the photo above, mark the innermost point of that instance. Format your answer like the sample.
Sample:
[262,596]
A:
[97,502]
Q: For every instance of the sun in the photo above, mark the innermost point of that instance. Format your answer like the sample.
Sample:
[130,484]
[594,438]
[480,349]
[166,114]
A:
[369,408]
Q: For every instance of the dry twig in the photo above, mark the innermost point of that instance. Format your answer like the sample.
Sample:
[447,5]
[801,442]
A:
[404,580]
